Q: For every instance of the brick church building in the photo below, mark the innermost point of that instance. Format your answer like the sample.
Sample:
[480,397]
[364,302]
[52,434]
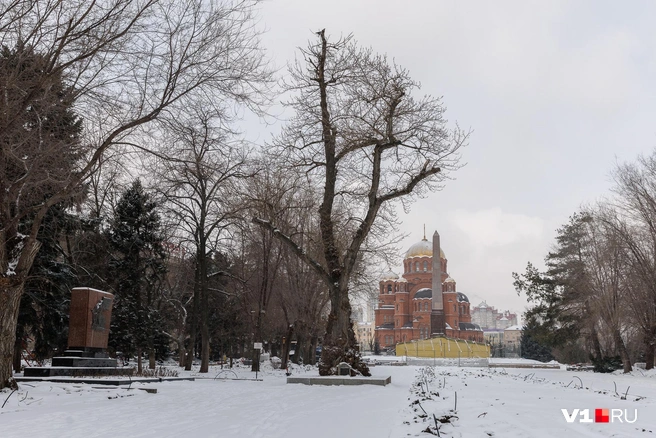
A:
[405,304]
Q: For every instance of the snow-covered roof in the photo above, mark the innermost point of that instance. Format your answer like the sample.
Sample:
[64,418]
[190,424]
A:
[515,327]
[390,275]
[469,326]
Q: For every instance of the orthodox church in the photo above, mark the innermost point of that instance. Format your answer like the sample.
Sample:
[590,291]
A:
[423,302]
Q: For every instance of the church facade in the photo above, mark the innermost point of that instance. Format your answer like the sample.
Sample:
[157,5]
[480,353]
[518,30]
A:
[406,304]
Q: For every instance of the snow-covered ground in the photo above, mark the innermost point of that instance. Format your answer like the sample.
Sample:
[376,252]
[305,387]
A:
[499,402]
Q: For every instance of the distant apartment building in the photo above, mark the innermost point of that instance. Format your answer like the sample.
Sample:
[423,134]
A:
[364,335]
[512,337]
[489,318]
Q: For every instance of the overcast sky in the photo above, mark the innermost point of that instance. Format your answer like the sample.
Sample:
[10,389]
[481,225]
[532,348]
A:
[556,93]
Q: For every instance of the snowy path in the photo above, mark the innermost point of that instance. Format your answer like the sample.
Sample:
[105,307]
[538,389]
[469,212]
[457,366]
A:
[491,402]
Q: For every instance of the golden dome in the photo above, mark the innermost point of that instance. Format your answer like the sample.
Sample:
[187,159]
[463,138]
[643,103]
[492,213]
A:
[424,248]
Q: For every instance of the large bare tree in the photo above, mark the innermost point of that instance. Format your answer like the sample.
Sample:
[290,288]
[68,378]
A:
[124,65]
[365,140]
[635,222]
[279,283]
[199,178]
[606,260]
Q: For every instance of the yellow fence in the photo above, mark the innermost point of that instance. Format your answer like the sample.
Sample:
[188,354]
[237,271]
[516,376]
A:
[442,347]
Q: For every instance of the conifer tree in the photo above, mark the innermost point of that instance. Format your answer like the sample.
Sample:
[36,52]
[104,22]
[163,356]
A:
[138,269]
[530,345]
[44,307]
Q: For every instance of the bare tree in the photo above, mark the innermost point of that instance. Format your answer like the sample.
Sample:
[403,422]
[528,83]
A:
[364,142]
[635,222]
[303,300]
[177,295]
[277,196]
[199,179]
[606,261]
[125,65]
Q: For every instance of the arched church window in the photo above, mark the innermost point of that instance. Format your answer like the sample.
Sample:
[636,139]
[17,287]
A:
[454,308]
[425,307]
[416,266]
[425,266]
[389,288]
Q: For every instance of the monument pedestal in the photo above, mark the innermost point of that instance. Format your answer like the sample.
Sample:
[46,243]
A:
[438,325]
[81,358]
[88,334]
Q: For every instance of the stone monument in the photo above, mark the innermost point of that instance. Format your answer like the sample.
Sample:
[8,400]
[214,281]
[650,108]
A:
[437,305]
[88,334]
[90,313]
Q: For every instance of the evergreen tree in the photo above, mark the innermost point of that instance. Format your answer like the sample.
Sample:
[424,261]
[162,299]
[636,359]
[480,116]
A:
[530,345]
[138,267]
[561,312]
[44,307]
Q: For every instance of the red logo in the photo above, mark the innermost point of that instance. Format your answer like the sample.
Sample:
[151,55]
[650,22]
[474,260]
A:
[601,416]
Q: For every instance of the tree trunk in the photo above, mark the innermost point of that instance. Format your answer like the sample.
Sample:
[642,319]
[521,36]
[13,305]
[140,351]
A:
[650,339]
[298,353]
[339,331]
[139,362]
[619,343]
[205,349]
[194,320]
[10,294]
[339,343]
[649,356]
[285,346]
[18,348]
[255,357]
[255,366]
[181,353]
[151,358]
[312,351]
[204,320]
[596,346]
